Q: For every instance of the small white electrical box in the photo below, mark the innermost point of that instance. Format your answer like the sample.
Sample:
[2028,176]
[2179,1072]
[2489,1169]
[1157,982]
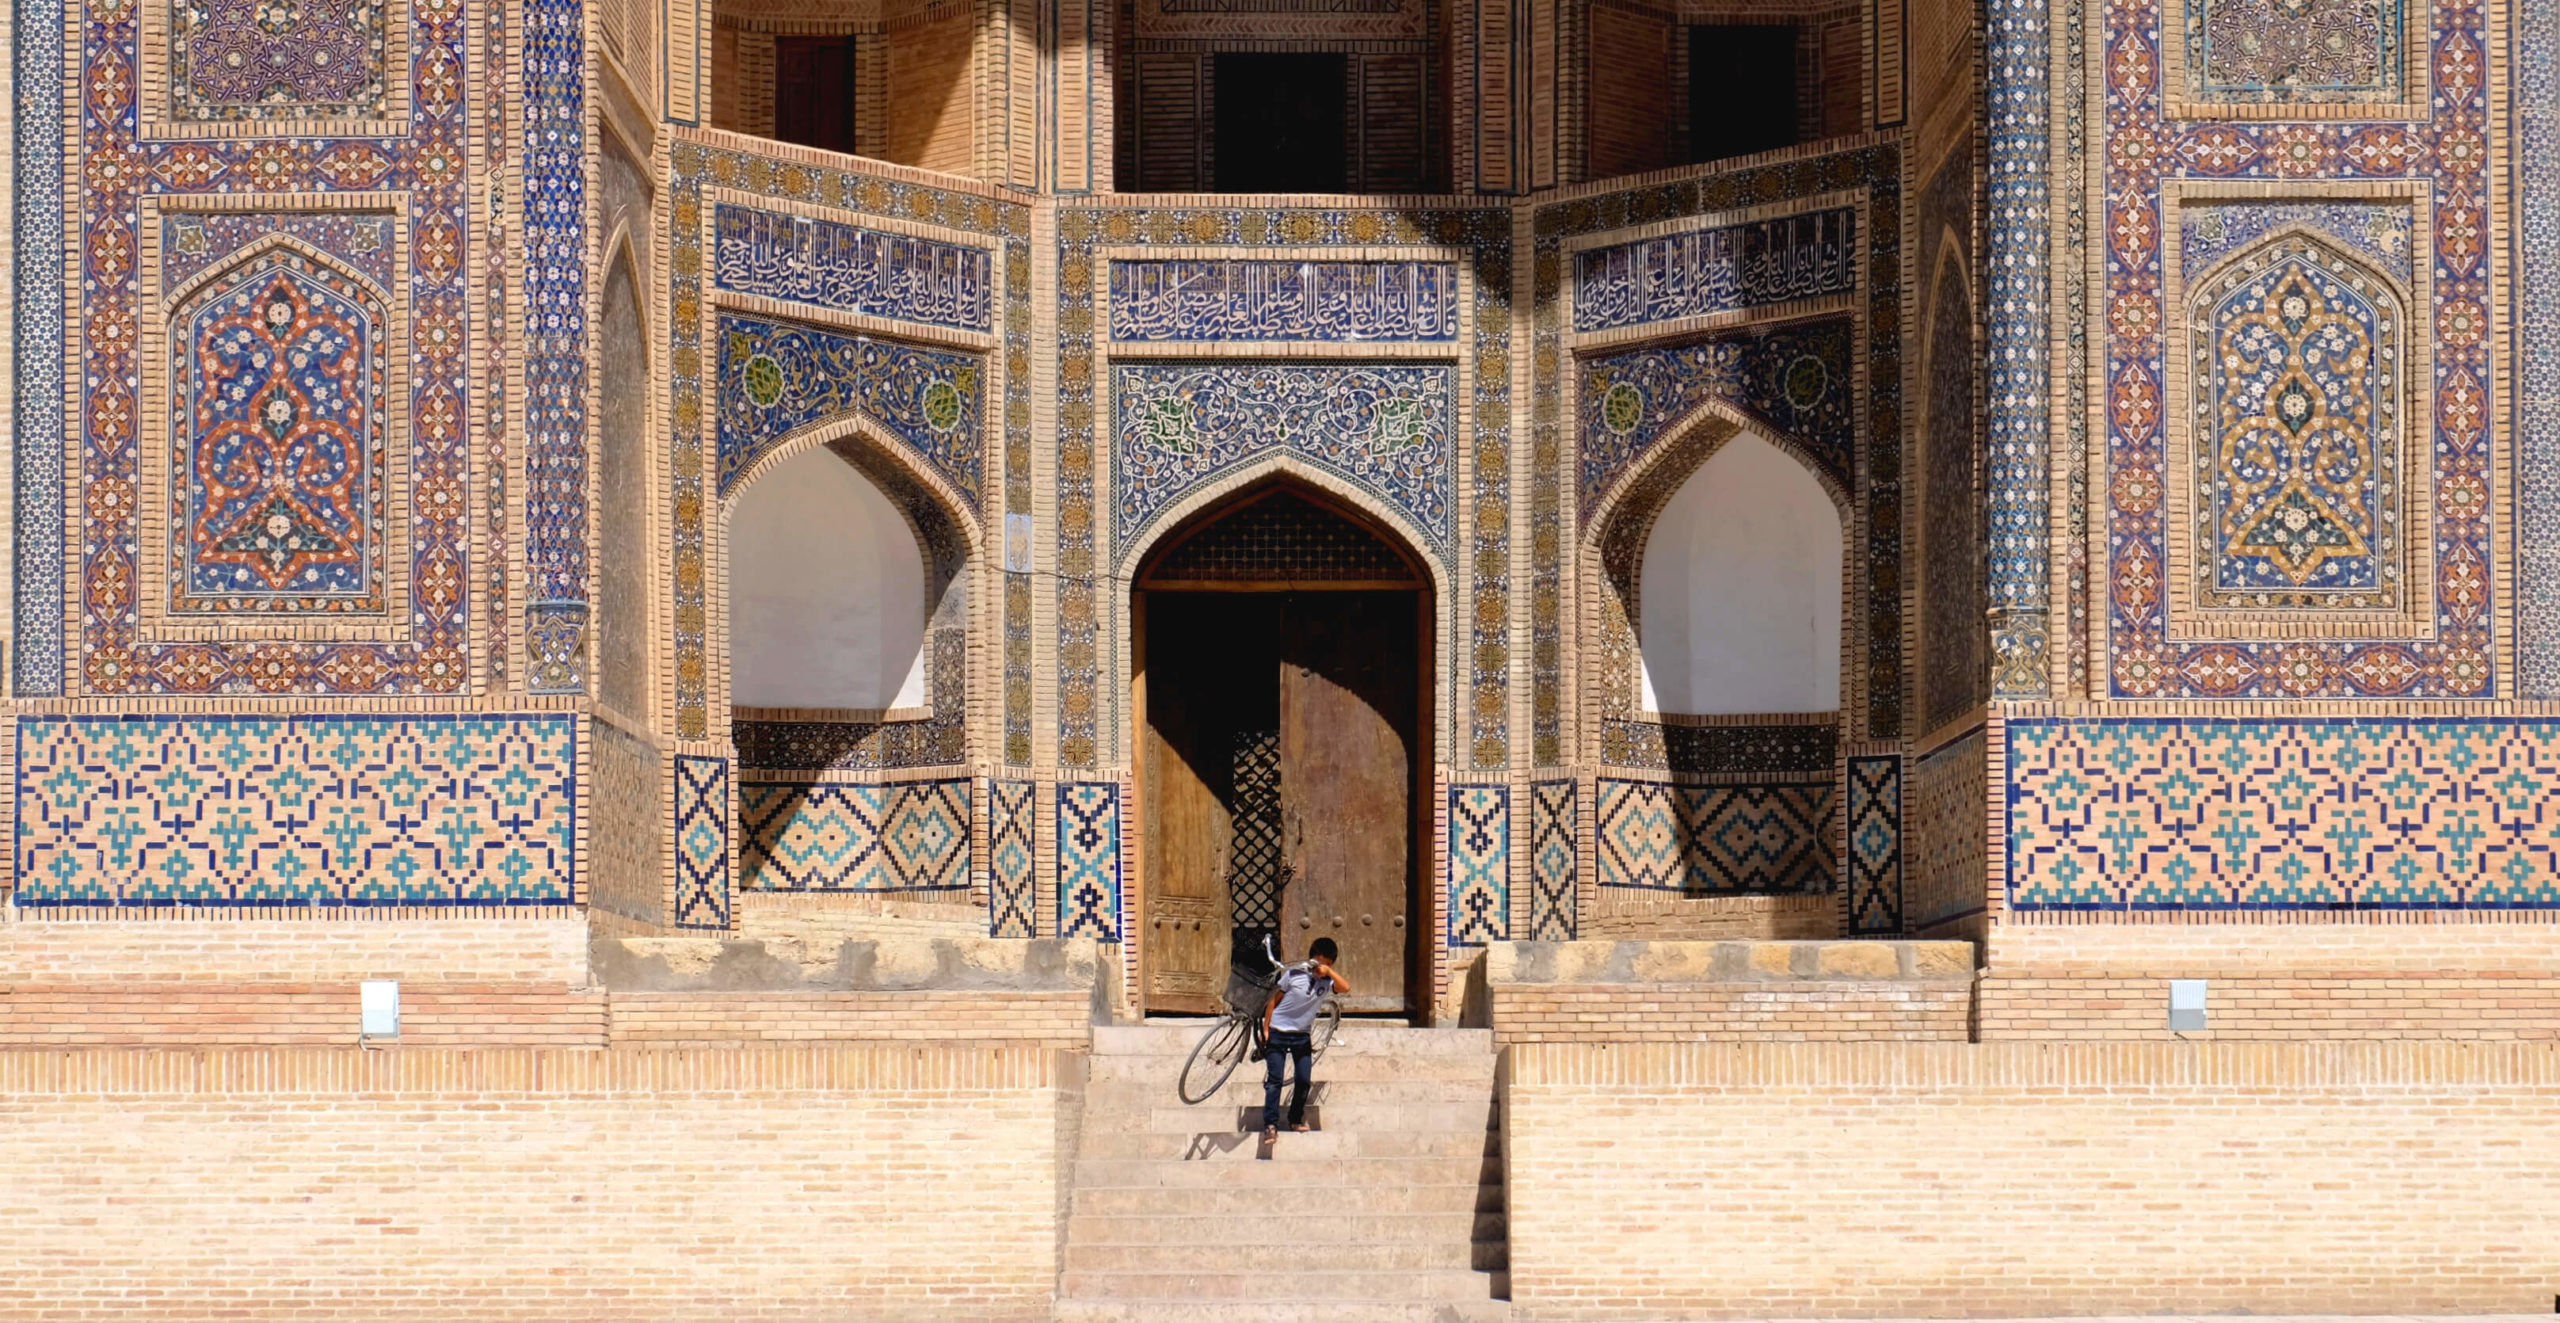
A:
[2186,1004]
[381,1009]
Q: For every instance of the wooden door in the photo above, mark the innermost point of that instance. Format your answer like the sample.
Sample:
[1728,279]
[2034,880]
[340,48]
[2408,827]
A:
[1207,672]
[1348,677]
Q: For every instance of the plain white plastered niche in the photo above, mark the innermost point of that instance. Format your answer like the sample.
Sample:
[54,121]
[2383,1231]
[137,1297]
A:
[1741,589]
[826,592]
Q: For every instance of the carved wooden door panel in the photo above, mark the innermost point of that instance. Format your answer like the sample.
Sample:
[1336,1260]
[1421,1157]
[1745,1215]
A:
[1183,934]
[1347,743]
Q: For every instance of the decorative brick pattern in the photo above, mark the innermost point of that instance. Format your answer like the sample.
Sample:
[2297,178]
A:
[2181,813]
[1089,861]
[305,811]
[702,841]
[1774,837]
[1555,910]
[1946,868]
[1013,901]
[823,836]
[1479,884]
[1875,838]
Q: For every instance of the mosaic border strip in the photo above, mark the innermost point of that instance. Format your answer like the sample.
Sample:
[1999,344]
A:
[2017,262]
[1478,884]
[40,356]
[2536,94]
[1089,900]
[2185,814]
[555,349]
[702,820]
[1555,913]
[1874,846]
[1013,859]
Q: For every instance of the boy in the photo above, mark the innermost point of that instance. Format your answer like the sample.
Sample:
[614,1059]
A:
[1285,1020]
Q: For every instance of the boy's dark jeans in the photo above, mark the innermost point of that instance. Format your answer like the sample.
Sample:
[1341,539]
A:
[1284,1044]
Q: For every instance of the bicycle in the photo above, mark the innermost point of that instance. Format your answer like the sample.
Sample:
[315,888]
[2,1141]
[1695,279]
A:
[1214,1058]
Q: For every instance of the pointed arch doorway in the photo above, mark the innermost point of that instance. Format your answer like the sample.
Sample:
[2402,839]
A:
[1282,650]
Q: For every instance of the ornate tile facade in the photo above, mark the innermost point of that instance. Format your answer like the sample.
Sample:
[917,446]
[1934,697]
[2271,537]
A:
[304,811]
[702,817]
[1013,887]
[1341,302]
[1555,906]
[830,836]
[1797,378]
[555,346]
[1089,860]
[1479,881]
[2311,813]
[2293,51]
[777,377]
[1699,272]
[241,60]
[901,277]
[1875,846]
[1711,839]
[1385,427]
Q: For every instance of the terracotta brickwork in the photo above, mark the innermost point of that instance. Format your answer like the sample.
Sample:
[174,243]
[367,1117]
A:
[1059,1019]
[663,1181]
[1798,992]
[2028,1179]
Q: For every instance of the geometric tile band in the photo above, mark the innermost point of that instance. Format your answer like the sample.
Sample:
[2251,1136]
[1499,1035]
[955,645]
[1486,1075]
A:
[702,841]
[817,836]
[1554,911]
[1875,846]
[1089,860]
[2179,813]
[1722,839]
[1479,865]
[334,810]
[1012,862]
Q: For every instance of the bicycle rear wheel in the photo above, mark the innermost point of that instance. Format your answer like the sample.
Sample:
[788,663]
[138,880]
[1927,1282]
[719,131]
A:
[1213,1059]
[1328,1022]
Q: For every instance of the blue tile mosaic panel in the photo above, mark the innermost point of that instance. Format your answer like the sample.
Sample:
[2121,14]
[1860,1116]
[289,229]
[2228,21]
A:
[2313,813]
[555,346]
[1350,302]
[702,841]
[1771,837]
[1089,860]
[1698,272]
[1479,883]
[1012,860]
[1796,378]
[827,836]
[318,811]
[1385,427]
[873,272]
[777,377]
[1875,846]
[1555,911]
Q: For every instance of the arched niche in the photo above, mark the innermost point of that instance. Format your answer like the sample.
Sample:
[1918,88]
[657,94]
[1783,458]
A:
[623,573]
[827,593]
[1740,589]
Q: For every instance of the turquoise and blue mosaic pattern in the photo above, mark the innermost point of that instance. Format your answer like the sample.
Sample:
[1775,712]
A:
[1012,860]
[1479,882]
[820,836]
[1796,378]
[1875,846]
[2313,813]
[316,811]
[901,277]
[1555,913]
[555,348]
[1089,860]
[1767,838]
[702,841]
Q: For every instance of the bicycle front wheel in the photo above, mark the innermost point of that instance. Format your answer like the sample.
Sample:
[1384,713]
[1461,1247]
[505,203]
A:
[1213,1059]
[1328,1021]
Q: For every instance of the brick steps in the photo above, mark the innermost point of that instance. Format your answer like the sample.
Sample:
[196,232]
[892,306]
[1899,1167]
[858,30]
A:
[1390,1210]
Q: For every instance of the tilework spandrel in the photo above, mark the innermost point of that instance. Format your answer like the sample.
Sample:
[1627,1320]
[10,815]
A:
[2281,813]
[777,377]
[331,810]
[1797,378]
[2289,540]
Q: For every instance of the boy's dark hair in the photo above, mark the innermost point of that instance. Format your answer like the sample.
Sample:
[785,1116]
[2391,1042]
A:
[1323,948]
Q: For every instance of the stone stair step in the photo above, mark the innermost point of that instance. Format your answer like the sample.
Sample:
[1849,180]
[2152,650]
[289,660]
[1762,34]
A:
[1276,1260]
[1293,1310]
[1246,1145]
[1227,1198]
[1305,1280]
[1166,1072]
[1257,1221]
[1286,1168]
[1126,1096]
[1334,1113]
[1355,1039]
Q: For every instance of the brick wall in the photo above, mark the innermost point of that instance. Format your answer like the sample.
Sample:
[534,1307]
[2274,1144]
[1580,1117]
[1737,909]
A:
[930,98]
[2275,980]
[1708,1181]
[851,1183]
[1629,992]
[252,948]
[1060,1018]
[1629,912]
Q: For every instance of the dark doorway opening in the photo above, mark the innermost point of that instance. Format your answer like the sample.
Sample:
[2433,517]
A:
[1280,123]
[813,102]
[1742,89]
[1283,654]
